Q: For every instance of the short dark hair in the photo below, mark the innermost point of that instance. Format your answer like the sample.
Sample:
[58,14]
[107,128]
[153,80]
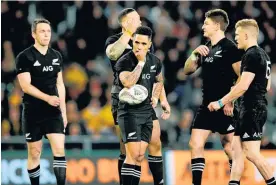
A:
[123,13]
[144,30]
[220,16]
[37,21]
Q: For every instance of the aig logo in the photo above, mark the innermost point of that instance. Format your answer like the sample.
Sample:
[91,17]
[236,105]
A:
[47,68]
[209,59]
[146,76]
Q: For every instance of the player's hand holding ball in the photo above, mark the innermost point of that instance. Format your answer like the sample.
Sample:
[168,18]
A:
[53,100]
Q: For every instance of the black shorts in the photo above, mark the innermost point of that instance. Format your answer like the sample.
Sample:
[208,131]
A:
[251,121]
[215,121]
[114,108]
[35,128]
[135,127]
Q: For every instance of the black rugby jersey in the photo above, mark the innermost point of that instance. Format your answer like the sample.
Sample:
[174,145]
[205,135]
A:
[110,40]
[217,72]
[255,60]
[44,70]
[151,69]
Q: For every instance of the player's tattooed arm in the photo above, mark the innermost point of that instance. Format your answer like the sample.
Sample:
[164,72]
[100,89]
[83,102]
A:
[159,86]
[129,79]
[115,50]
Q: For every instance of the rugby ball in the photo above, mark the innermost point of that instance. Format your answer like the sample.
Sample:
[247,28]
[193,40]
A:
[133,95]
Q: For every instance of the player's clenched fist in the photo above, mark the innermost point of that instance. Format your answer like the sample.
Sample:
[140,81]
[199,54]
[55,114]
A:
[202,50]
[54,101]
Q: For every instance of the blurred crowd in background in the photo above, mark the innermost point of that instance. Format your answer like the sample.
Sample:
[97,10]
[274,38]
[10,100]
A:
[79,31]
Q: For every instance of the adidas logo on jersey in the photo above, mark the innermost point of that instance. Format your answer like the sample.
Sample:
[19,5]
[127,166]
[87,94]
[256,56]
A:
[245,135]
[37,63]
[230,128]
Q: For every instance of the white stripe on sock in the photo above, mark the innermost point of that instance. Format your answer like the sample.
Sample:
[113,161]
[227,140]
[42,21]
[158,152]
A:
[131,171]
[197,170]
[198,164]
[59,166]
[34,173]
[272,182]
[155,161]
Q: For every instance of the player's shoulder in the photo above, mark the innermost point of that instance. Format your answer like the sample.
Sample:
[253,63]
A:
[113,38]
[26,53]
[54,52]
[153,57]
[253,51]
[228,43]
[128,56]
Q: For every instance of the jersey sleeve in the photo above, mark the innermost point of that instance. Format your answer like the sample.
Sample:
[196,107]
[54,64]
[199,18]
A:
[110,40]
[60,61]
[123,64]
[251,63]
[22,64]
[159,67]
[234,54]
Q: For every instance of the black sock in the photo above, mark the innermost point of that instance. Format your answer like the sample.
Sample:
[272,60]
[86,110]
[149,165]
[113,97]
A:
[234,183]
[34,175]
[230,165]
[271,181]
[121,160]
[136,179]
[130,175]
[156,168]
[60,169]
[198,165]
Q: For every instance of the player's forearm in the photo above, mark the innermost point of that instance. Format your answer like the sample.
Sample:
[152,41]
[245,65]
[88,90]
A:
[236,92]
[191,64]
[163,96]
[131,78]
[268,83]
[33,91]
[157,90]
[61,92]
[116,49]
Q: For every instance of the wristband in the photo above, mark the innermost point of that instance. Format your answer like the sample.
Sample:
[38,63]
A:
[129,33]
[220,103]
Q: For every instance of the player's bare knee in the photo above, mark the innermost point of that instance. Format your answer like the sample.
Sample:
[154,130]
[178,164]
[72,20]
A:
[34,153]
[251,155]
[194,145]
[58,152]
[155,144]
[141,158]
[228,149]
